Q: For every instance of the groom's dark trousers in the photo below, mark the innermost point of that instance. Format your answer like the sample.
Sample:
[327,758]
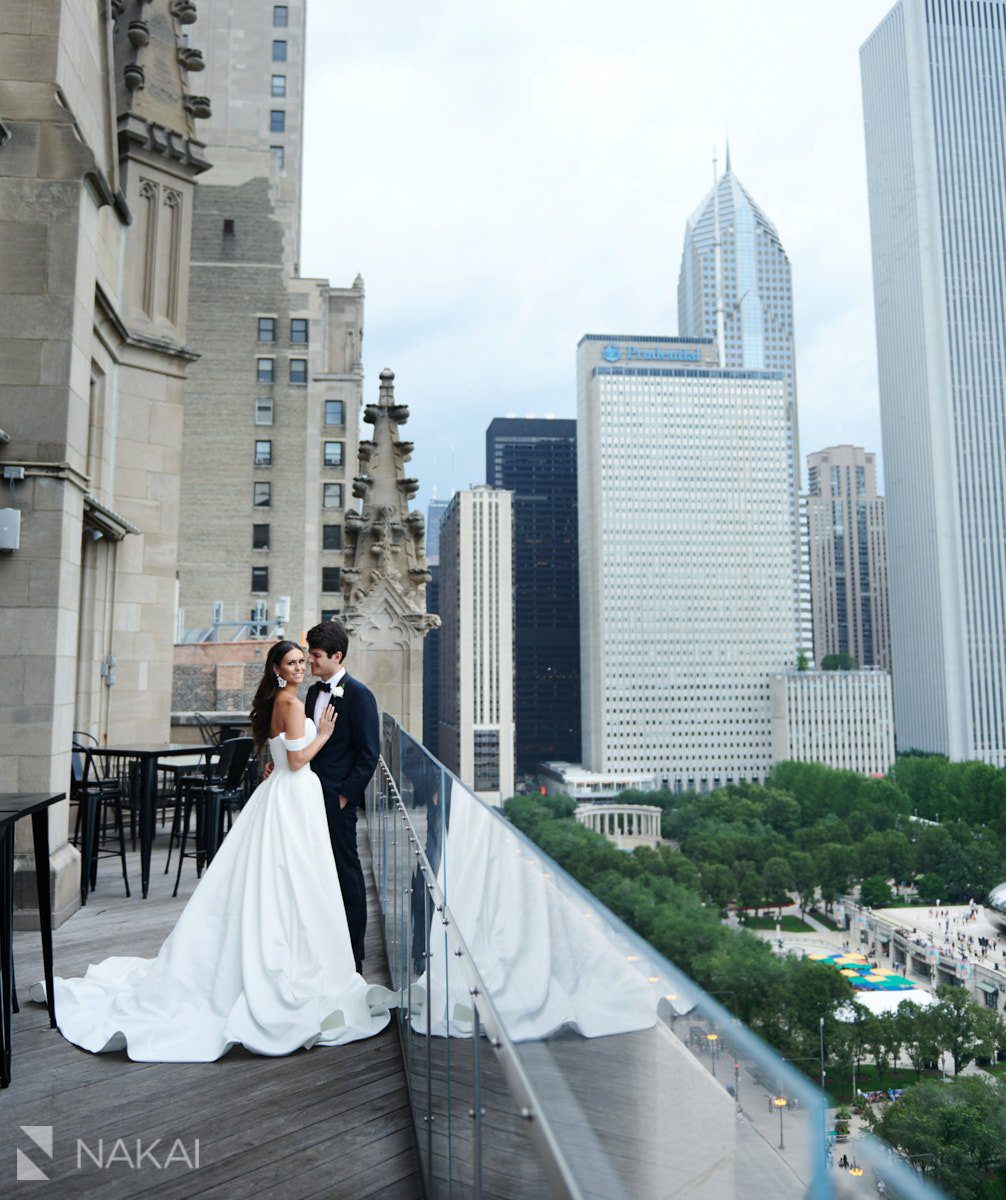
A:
[345,765]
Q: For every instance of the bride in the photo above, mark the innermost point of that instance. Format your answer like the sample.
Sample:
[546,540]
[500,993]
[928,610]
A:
[260,956]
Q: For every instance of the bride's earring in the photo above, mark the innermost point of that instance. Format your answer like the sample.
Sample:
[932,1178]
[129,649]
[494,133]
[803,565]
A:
[280,681]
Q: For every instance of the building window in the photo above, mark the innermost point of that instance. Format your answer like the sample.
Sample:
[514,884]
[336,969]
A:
[487,760]
[298,370]
[281,15]
[262,495]
[331,537]
[263,410]
[335,412]
[279,155]
[329,614]
[279,51]
[279,85]
[277,121]
[263,454]
[331,495]
[333,454]
[260,537]
[298,330]
[260,579]
[330,579]
[265,370]
[267,329]
[228,226]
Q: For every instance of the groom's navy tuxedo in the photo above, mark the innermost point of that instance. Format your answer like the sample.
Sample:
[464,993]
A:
[344,765]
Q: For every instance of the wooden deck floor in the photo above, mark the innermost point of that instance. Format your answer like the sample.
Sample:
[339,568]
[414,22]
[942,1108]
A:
[331,1122]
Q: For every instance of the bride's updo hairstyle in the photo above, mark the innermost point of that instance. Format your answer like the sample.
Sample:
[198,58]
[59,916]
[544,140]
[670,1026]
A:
[261,713]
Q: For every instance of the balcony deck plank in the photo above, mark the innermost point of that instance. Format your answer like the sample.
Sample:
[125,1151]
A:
[332,1122]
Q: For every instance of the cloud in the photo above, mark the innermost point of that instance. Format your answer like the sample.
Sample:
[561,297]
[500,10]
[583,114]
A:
[509,177]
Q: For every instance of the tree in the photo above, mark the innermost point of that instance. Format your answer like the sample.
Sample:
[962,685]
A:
[919,1035]
[958,1025]
[804,875]
[875,892]
[875,1042]
[954,1130]
[839,662]
[751,890]
[777,879]
[887,853]
[834,870]
[719,884]
[991,1033]
[931,887]
[781,811]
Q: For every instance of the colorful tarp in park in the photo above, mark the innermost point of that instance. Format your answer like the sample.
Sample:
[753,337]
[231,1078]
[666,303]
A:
[863,976]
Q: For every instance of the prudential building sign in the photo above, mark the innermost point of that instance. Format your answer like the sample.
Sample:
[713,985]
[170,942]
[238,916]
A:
[613,353]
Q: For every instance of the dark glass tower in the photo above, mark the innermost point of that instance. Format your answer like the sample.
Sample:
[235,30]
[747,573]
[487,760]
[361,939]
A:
[536,460]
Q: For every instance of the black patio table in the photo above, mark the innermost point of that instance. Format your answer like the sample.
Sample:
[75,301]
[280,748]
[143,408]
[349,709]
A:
[147,756]
[14,806]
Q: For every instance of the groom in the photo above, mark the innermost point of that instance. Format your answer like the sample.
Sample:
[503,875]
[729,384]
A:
[345,763]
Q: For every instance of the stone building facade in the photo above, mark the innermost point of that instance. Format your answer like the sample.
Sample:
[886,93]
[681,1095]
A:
[99,155]
[272,407]
[386,575]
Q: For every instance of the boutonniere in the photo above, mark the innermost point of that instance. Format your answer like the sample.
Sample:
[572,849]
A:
[338,692]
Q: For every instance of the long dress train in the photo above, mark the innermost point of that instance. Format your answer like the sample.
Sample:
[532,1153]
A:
[260,956]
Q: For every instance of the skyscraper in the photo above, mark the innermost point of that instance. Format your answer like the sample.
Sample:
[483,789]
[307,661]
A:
[434,517]
[535,459]
[431,646]
[935,114]
[476,641]
[848,556]
[686,591]
[735,286]
[272,403]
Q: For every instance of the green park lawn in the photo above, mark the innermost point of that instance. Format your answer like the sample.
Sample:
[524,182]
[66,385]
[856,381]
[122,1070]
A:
[788,924]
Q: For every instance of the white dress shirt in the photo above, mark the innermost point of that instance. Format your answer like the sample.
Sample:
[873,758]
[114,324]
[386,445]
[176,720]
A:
[323,697]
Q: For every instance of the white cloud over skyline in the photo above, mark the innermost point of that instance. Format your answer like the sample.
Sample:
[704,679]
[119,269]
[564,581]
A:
[510,177]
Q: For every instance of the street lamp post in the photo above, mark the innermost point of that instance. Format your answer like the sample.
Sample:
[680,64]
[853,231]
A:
[712,1039]
[780,1103]
[821,1028]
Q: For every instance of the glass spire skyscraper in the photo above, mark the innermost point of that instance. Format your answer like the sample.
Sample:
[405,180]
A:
[935,114]
[736,286]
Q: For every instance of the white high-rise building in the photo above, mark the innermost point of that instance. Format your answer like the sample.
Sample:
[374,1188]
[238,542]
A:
[935,112]
[685,567]
[476,732]
[843,719]
[736,286]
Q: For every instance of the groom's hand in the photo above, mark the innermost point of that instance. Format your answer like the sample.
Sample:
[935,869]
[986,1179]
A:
[267,770]
[343,801]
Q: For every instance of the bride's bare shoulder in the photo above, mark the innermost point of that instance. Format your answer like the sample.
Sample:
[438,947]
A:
[287,715]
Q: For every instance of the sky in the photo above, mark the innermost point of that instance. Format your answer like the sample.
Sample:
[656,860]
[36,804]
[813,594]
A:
[509,176]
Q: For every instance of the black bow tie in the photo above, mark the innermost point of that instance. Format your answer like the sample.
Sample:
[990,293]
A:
[325,687]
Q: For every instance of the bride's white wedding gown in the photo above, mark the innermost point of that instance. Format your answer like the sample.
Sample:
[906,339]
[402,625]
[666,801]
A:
[260,956]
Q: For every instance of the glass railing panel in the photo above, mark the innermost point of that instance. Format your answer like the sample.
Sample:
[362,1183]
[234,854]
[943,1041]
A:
[624,1076]
[452,1091]
[506,1161]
